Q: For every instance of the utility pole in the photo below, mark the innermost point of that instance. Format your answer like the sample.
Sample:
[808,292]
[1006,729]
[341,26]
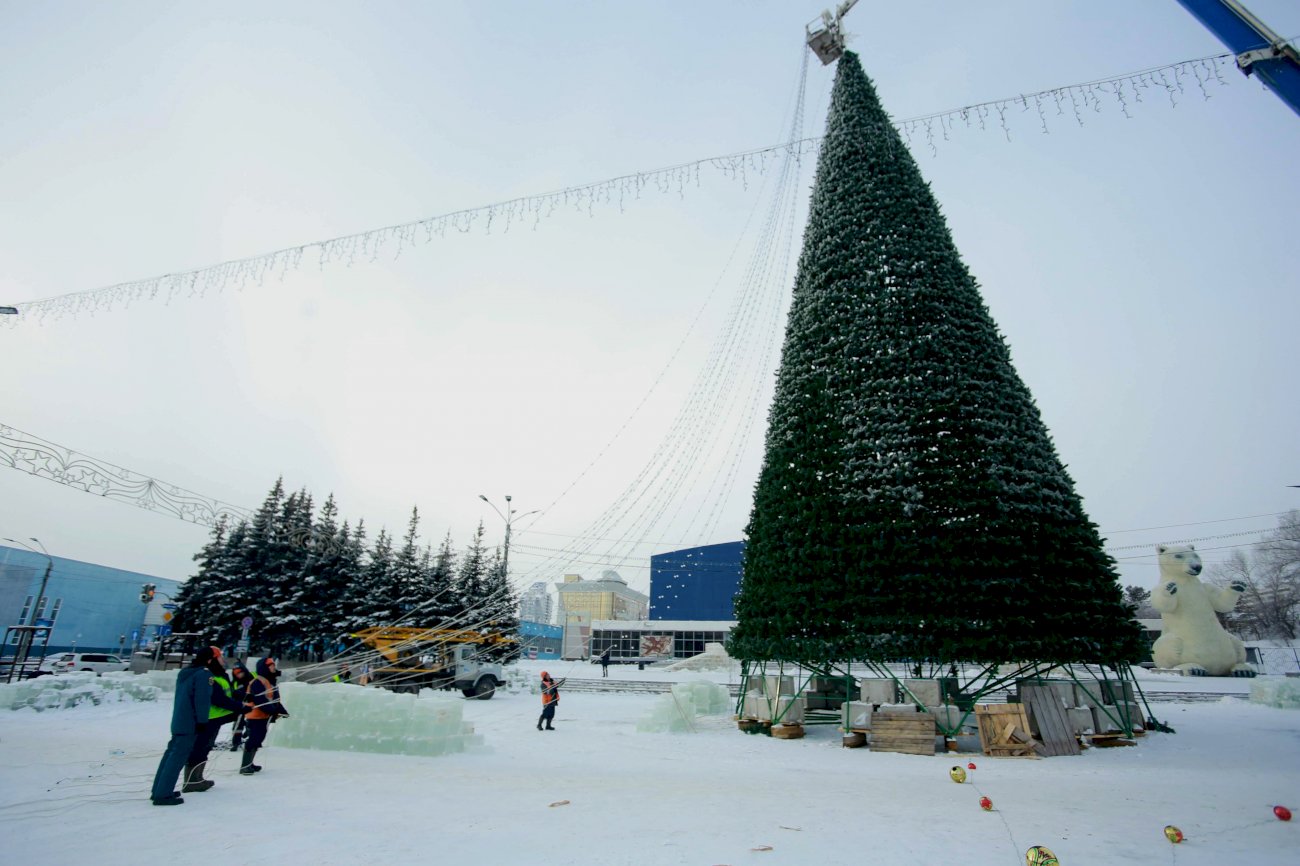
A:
[26,637]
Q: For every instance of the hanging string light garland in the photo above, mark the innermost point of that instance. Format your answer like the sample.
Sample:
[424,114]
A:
[1126,91]
[44,459]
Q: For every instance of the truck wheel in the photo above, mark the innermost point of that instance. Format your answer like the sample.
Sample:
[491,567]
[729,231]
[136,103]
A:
[485,688]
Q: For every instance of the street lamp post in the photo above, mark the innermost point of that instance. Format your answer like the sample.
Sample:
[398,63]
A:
[509,517]
[25,642]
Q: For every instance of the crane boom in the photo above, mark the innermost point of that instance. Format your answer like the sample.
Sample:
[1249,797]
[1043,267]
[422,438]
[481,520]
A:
[1259,50]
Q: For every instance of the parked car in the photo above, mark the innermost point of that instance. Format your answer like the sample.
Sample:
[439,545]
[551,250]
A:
[95,662]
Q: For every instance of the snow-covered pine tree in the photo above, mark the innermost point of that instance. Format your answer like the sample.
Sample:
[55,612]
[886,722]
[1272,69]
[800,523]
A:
[252,559]
[408,578]
[373,601]
[352,568]
[440,603]
[195,610]
[471,584]
[290,548]
[911,503]
[321,583]
[501,603]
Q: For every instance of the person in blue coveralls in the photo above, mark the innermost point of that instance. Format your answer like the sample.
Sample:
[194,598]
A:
[189,719]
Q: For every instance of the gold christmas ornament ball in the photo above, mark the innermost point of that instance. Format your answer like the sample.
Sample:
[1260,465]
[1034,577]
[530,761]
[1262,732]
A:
[958,775]
[1173,834]
[1041,855]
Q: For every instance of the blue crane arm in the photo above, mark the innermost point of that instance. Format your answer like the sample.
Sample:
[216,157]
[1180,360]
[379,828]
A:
[1259,50]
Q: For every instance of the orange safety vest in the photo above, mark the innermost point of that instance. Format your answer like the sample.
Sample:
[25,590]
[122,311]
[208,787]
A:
[550,694]
[268,698]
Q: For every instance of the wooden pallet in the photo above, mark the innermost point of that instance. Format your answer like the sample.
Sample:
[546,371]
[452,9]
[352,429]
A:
[787,732]
[905,732]
[1107,741]
[1004,731]
[854,740]
[1049,717]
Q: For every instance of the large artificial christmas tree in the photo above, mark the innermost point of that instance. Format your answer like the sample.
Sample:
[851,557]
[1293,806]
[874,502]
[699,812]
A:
[911,504]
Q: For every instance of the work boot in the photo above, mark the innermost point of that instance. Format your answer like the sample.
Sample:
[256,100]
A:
[246,765]
[172,799]
[549,728]
[539,726]
[194,781]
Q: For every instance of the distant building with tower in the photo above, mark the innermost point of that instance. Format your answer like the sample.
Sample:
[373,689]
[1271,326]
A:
[582,602]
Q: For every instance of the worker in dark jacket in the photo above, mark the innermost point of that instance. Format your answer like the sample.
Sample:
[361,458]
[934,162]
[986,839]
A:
[223,708]
[264,706]
[189,714]
[550,700]
[241,679]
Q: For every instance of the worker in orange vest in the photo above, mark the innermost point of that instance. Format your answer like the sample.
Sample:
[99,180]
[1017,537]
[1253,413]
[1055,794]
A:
[550,698]
[263,703]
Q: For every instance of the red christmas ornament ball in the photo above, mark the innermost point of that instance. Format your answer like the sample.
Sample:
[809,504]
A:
[1282,813]
[971,765]
[986,804]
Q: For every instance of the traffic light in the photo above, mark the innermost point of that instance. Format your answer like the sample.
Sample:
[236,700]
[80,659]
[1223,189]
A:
[146,592]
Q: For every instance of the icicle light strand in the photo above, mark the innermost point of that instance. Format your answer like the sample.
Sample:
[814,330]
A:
[1074,100]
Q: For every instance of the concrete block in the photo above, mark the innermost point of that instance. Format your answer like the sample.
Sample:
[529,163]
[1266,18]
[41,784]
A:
[757,707]
[775,686]
[1081,720]
[789,710]
[1108,719]
[923,692]
[1088,694]
[1116,691]
[857,716]
[948,717]
[878,691]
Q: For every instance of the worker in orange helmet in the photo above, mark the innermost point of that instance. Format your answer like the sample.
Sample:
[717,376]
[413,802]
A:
[550,698]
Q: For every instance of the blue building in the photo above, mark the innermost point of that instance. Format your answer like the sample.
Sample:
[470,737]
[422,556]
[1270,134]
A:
[539,640]
[93,608]
[697,583]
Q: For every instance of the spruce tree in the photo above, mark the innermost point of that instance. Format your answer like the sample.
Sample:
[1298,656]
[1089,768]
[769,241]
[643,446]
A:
[407,576]
[501,603]
[471,589]
[195,610]
[321,583]
[372,598]
[911,504]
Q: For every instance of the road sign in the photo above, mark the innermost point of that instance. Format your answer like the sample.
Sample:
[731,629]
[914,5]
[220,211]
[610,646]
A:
[167,605]
[167,616]
[164,630]
[247,622]
[135,635]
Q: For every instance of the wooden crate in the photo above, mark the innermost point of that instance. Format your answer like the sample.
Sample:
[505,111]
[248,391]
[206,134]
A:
[1004,731]
[905,732]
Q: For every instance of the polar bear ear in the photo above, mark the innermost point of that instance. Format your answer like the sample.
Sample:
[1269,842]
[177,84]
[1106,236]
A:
[1160,548]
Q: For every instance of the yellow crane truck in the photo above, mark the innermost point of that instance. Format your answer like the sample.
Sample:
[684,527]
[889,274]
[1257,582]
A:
[411,659]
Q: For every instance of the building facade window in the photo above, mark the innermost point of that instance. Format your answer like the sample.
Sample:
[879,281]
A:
[54,612]
[27,608]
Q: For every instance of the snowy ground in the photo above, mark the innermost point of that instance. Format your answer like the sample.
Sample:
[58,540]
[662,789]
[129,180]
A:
[74,783]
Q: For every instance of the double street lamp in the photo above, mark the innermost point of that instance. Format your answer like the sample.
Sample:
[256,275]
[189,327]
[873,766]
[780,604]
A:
[509,517]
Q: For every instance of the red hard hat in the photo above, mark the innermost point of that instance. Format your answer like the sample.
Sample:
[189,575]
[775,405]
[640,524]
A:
[545,675]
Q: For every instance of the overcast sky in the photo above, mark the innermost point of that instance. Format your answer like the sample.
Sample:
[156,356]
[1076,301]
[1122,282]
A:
[1143,269]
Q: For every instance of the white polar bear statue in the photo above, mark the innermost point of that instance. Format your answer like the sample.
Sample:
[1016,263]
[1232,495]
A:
[1193,641]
